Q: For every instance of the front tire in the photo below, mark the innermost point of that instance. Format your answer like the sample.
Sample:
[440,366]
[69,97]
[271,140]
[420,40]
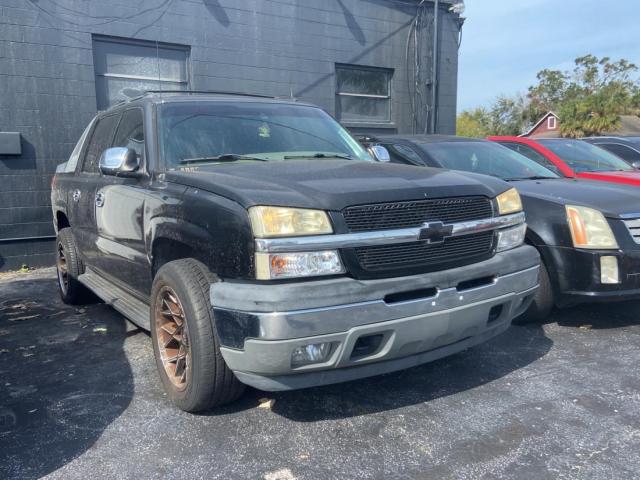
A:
[543,301]
[185,344]
[68,268]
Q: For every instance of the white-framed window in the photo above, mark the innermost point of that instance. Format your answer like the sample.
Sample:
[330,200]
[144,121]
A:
[122,63]
[363,94]
[551,123]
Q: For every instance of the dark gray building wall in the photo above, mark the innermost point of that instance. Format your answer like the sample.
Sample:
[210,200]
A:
[274,47]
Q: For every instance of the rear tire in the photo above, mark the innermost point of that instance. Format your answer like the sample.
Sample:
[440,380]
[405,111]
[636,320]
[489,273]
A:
[185,344]
[69,267]
[543,301]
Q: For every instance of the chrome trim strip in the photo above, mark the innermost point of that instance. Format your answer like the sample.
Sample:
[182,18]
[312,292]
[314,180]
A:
[633,227]
[381,237]
[629,216]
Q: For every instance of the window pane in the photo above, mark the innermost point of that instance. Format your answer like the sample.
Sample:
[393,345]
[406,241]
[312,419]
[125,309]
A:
[624,152]
[530,153]
[363,109]
[100,141]
[272,132]
[140,60]
[136,65]
[130,133]
[584,157]
[403,154]
[72,163]
[111,90]
[486,158]
[363,81]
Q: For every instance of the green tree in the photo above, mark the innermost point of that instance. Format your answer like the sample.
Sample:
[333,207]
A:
[508,115]
[590,99]
[473,123]
[547,94]
[599,92]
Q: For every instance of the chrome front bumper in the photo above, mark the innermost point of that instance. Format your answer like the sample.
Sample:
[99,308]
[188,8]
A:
[261,325]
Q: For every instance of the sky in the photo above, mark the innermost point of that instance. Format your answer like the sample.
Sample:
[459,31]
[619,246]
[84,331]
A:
[506,42]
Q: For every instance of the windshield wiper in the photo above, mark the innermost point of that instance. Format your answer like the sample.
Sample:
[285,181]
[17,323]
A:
[225,157]
[320,155]
[533,177]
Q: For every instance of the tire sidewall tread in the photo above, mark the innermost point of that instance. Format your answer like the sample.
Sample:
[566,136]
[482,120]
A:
[76,293]
[210,382]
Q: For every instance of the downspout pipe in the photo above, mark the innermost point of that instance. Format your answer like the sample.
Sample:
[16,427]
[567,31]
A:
[434,68]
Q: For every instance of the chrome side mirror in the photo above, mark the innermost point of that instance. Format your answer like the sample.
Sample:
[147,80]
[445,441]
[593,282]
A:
[120,162]
[636,164]
[379,153]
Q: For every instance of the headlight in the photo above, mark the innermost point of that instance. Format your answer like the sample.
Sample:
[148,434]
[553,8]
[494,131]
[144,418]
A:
[269,222]
[589,228]
[509,202]
[511,237]
[271,266]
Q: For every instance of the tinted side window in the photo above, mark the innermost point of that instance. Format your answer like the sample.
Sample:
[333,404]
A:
[403,154]
[100,141]
[130,133]
[72,163]
[531,154]
[624,152]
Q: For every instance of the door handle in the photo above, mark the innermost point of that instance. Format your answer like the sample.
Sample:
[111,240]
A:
[76,195]
[99,199]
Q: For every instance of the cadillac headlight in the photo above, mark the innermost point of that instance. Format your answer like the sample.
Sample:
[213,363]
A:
[269,222]
[271,266]
[509,202]
[589,228]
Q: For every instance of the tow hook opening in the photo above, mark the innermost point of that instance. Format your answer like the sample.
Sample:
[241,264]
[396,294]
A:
[495,313]
[366,345]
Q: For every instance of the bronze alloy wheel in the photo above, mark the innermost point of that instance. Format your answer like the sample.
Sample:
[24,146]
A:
[63,269]
[172,337]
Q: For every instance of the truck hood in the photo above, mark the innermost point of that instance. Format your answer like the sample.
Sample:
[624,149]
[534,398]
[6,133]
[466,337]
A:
[331,184]
[611,199]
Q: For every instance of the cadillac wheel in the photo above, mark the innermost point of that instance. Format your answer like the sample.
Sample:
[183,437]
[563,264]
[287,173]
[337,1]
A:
[185,343]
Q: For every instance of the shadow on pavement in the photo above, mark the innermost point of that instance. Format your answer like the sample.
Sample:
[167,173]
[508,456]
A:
[63,377]
[598,316]
[514,349]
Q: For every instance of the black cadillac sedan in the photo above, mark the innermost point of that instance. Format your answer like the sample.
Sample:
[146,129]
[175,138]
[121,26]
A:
[587,233]
[627,148]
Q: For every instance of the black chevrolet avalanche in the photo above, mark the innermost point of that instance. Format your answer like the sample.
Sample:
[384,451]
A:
[587,233]
[261,245]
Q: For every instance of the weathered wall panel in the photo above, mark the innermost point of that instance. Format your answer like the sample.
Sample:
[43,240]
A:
[278,47]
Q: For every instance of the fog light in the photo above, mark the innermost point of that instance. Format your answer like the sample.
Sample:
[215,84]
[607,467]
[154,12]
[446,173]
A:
[511,237]
[609,270]
[313,353]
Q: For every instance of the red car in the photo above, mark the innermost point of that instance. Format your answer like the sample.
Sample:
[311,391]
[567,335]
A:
[574,158]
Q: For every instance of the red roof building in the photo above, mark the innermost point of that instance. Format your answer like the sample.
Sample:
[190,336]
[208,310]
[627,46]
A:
[547,127]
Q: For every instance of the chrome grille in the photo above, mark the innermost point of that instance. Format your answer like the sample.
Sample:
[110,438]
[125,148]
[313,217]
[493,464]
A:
[634,228]
[385,216]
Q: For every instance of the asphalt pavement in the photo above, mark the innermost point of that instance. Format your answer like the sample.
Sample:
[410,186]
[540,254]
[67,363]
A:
[80,399]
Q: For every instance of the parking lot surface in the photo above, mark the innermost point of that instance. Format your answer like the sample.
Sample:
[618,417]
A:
[80,398]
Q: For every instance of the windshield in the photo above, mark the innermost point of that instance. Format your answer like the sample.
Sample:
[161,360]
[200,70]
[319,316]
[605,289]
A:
[584,157]
[221,132]
[486,158]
